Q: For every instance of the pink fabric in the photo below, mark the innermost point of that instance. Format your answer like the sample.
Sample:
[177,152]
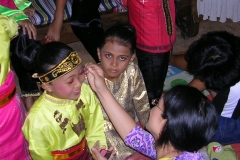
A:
[12,116]
[149,20]
[8,3]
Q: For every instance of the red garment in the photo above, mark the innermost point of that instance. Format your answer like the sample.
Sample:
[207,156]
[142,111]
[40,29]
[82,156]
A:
[8,3]
[149,17]
[78,152]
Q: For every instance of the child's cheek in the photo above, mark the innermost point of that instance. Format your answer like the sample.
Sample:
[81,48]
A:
[62,89]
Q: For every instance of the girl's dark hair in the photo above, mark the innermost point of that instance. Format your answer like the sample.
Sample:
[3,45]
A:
[48,56]
[122,34]
[191,119]
[215,59]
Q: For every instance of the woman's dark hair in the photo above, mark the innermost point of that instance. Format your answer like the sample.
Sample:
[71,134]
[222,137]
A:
[215,59]
[122,34]
[191,119]
[48,56]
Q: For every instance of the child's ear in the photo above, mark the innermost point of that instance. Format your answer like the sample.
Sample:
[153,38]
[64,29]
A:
[47,87]
[133,57]
[99,54]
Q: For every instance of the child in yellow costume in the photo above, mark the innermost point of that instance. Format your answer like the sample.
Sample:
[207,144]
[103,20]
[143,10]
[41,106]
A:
[67,118]
[12,111]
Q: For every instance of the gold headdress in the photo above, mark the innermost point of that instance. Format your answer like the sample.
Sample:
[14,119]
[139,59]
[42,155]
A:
[67,65]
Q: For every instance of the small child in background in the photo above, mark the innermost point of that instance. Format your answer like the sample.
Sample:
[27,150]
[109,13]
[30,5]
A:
[12,111]
[67,118]
[20,12]
[214,61]
[124,80]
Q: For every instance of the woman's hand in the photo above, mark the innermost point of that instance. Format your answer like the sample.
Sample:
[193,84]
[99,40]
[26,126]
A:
[29,28]
[29,12]
[95,77]
[97,154]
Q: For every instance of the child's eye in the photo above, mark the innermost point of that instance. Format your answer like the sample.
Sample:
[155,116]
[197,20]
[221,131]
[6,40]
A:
[122,58]
[108,55]
[70,81]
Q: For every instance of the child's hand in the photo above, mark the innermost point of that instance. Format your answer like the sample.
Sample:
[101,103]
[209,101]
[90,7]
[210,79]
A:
[97,154]
[29,28]
[29,12]
[95,77]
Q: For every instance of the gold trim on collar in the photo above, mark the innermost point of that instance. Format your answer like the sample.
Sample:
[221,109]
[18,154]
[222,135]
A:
[67,65]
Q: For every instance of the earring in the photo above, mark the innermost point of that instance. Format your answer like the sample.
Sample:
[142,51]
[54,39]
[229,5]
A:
[154,102]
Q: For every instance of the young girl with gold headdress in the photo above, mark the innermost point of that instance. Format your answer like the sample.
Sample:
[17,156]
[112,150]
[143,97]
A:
[67,118]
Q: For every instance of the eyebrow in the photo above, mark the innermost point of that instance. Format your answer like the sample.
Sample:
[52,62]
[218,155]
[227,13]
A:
[107,52]
[73,75]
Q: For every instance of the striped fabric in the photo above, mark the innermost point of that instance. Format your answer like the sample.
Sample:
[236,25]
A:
[121,6]
[45,9]
[106,5]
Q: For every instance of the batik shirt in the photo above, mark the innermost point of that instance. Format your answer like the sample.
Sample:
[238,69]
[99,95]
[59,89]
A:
[143,142]
[58,124]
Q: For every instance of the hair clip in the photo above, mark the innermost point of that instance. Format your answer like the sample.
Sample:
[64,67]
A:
[201,107]
[35,75]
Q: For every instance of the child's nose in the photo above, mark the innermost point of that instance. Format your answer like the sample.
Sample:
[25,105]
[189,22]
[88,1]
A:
[114,62]
[78,83]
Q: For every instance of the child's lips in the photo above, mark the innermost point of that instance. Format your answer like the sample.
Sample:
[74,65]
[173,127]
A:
[113,70]
[77,92]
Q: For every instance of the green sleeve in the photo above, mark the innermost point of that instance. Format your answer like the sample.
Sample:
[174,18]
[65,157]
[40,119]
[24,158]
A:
[8,29]
[38,134]
[16,14]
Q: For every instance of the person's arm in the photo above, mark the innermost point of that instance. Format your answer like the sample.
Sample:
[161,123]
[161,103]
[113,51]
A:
[121,120]
[54,29]
[197,83]
[178,61]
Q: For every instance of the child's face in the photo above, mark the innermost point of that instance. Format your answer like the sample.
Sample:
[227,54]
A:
[115,59]
[67,86]
[156,122]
